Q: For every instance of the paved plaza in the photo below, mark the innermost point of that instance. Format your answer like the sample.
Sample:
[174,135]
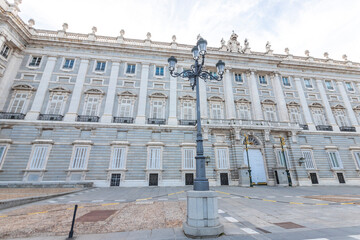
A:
[261,212]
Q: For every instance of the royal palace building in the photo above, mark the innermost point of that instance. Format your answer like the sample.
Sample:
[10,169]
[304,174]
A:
[85,108]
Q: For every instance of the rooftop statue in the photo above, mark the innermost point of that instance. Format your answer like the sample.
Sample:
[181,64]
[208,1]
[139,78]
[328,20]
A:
[233,45]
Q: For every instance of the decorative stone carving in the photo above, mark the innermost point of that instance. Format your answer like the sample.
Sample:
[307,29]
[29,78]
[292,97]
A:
[122,33]
[246,46]
[344,57]
[309,58]
[307,53]
[233,45]
[173,38]
[269,51]
[94,30]
[120,39]
[31,22]
[287,51]
[65,27]
[326,55]
[223,45]
[148,36]
[267,135]
[17,2]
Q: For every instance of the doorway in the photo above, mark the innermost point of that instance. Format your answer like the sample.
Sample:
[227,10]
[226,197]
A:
[257,166]
[153,179]
[224,179]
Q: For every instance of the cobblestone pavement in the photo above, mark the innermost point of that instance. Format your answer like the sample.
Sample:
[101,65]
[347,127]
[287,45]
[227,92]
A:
[261,212]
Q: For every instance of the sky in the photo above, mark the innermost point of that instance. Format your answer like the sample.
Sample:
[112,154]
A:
[316,25]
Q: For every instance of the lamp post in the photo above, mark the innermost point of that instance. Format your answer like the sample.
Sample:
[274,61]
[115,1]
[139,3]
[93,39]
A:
[247,155]
[201,183]
[202,210]
[282,143]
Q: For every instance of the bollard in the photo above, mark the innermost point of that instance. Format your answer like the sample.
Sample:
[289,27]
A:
[71,233]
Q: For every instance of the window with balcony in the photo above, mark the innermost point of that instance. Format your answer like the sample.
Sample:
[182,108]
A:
[295,114]
[100,66]
[270,112]
[91,105]
[341,118]
[126,107]
[238,78]
[159,71]
[307,83]
[118,159]
[56,104]
[319,116]
[262,79]
[244,111]
[158,109]
[188,110]
[222,158]
[35,62]
[329,85]
[216,110]
[5,51]
[19,102]
[335,161]
[130,68]
[308,159]
[154,158]
[286,81]
[68,64]
[80,157]
[189,158]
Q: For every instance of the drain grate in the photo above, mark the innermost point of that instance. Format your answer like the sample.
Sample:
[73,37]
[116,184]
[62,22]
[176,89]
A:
[289,225]
[97,215]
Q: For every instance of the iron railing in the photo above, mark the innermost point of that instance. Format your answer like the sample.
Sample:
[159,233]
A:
[160,121]
[123,120]
[187,122]
[324,128]
[10,115]
[87,118]
[347,129]
[51,117]
[304,126]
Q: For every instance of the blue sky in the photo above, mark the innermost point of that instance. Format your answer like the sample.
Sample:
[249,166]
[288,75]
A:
[317,25]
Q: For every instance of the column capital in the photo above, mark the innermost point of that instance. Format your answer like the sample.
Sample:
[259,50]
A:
[228,68]
[145,64]
[117,63]
[52,57]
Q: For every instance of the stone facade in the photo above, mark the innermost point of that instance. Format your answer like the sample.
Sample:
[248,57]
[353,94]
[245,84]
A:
[82,107]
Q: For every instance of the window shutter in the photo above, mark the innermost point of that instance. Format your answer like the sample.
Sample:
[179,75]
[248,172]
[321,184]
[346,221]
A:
[38,157]
[79,157]
[309,163]
[189,158]
[118,161]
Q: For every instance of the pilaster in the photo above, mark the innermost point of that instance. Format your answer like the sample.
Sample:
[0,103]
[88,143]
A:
[111,91]
[2,41]
[229,95]
[8,78]
[328,111]
[36,106]
[141,118]
[203,99]
[71,115]
[304,104]
[347,104]
[254,95]
[173,101]
[280,98]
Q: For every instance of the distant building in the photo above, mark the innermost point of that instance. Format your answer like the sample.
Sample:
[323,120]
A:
[83,107]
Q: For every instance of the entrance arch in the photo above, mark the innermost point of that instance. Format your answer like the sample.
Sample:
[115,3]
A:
[256,161]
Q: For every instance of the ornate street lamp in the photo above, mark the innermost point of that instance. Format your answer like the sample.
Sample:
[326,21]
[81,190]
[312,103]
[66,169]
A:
[282,143]
[201,183]
[247,143]
[202,211]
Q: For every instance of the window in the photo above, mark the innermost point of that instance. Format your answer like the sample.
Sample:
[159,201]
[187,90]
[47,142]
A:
[270,114]
[100,66]
[80,156]
[130,68]
[329,85]
[341,118]
[244,111]
[18,103]
[35,62]
[2,154]
[38,158]
[318,115]
[262,79]
[335,160]
[282,160]
[349,86]
[159,71]
[308,83]
[238,78]
[28,77]
[189,158]
[222,158]
[357,157]
[69,63]
[97,81]
[118,158]
[5,51]
[92,105]
[154,158]
[216,111]
[295,115]
[309,162]
[125,108]
[158,109]
[188,110]
[285,81]
[159,85]
[56,104]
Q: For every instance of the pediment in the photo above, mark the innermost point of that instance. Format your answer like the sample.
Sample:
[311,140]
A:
[215,98]
[338,106]
[158,95]
[59,89]
[94,91]
[318,105]
[293,104]
[187,97]
[127,94]
[268,101]
[25,87]
[242,100]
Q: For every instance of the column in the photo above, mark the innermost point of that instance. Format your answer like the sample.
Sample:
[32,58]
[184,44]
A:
[229,95]
[43,87]
[111,91]
[9,76]
[173,102]
[304,104]
[347,103]
[280,98]
[328,111]
[71,115]
[255,98]
[203,99]
[140,118]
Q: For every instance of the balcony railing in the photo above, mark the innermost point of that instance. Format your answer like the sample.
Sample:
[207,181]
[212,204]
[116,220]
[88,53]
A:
[347,129]
[160,121]
[324,128]
[86,118]
[123,120]
[187,122]
[50,117]
[304,126]
[9,115]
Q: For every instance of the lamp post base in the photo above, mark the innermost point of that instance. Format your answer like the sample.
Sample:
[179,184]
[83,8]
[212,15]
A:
[202,215]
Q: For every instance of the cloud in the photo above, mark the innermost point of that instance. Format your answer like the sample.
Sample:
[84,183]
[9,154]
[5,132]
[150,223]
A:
[320,26]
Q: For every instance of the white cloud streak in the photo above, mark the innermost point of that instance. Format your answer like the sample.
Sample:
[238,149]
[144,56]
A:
[319,26]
